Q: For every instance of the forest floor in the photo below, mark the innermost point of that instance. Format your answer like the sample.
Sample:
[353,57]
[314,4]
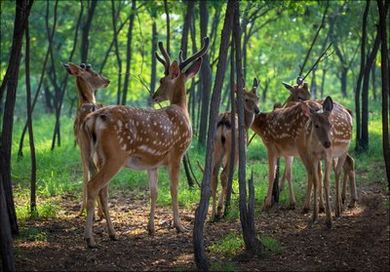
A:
[359,240]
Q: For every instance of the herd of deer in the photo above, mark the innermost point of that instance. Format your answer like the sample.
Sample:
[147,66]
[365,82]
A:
[112,137]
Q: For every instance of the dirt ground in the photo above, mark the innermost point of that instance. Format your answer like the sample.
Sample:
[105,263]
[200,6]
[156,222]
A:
[359,240]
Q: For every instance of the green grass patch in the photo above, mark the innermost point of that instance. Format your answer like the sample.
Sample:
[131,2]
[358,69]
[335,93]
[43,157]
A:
[271,244]
[44,210]
[32,234]
[225,266]
[229,246]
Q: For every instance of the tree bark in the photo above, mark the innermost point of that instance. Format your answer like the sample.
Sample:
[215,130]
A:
[366,81]
[373,81]
[233,133]
[385,85]
[115,15]
[360,77]
[186,26]
[201,211]
[168,48]
[6,251]
[323,82]
[33,178]
[85,31]
[128,52]
[205,76]
[154,62]
[252,244]
[21,16]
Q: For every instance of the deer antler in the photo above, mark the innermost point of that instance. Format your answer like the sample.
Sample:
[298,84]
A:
[201,52]
[166,61]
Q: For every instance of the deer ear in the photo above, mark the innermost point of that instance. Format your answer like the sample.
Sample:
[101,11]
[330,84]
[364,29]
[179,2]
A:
[328,104]
[255,85]
[287,86]
[174,70]
[305,86]
[72,69]
[194,68]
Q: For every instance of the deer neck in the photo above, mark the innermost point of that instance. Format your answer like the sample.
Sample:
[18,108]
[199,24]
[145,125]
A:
[179,97]
[85,92]
[249,117]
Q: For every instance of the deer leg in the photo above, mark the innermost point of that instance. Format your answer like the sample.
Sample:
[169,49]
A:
[153,178]
[271,177]
[352,182]
[340,163]
[328,169]
[222,197]
[315,181]
[288,173]
[99,181]
[306,206]
[216,162]
[344,188]
[174,175]
[103,194]
[321,206]
[85,182]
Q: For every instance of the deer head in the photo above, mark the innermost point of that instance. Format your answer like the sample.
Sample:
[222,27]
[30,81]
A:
[87,74]
[298,92]
[251,99]
[319,122]
[176,74]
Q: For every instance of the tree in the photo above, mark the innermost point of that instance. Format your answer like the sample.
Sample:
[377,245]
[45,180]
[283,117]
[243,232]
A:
[201,210]
[205,76]
[382,9]
[252,244]
[10,83]
[85,30]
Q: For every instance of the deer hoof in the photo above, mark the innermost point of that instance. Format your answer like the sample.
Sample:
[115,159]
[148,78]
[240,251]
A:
[113,237]
[90,243]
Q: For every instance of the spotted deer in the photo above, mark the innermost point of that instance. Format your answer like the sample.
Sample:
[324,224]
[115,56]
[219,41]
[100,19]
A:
[302,93]
[87,82]
[326,136]
[284,133]
[223,147]
[143,139]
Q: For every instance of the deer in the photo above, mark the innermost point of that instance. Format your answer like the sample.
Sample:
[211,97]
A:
[142,139]
[301,93]
[283,133]
[223,147]
[326,136]
[87,83]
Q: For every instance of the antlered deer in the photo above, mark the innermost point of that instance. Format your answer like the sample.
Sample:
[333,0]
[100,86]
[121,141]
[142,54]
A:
[223,147]
[143,139]
[87,82]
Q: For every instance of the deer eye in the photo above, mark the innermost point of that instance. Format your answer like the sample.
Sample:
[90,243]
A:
[316,126]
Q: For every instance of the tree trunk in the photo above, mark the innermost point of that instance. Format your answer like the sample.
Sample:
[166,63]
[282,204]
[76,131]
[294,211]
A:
[85,31]
[21,16]
[153,73]
[323,82]
[373,81]
[7,256]
[205,76]
[115,16]
[128,52]
[168,21]
[33,181]
[360,77]
[186,26]
[201,211]
[233,132]
[252,244]
[366,81]
[343,81]
[313,86]
[385,86]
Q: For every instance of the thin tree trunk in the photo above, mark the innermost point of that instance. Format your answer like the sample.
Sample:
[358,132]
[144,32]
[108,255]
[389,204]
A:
[85,31]
[313,86]
[205,76]
[344,81]
[366,81]
[21,18]
[115,16]
[153,73]
[186,26]
[323,82]
[33,181]
[201,211]
[385,86]
[168,27]
[128,52]
[373,81]
[360,77]
[6,251]
[252,244]
[50,39]
[233,134]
